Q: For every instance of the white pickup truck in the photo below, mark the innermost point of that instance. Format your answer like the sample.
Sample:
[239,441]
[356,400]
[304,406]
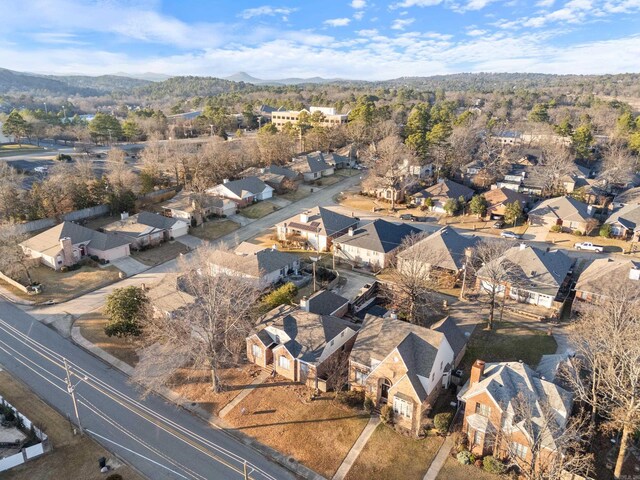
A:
[589,246]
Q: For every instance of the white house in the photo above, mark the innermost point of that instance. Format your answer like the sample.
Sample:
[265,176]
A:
[146,228]
[266,267]
[317,227]
[244,191]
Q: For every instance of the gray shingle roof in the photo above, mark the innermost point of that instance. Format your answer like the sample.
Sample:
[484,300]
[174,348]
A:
[311,163]
[379,236]
[447,326]
[328,221]
[326,302]
[602,271]
[627,216]
[157,221]
[250,184]
[628,196]
[565,208]
[446,189]
[257,264]
[446,247]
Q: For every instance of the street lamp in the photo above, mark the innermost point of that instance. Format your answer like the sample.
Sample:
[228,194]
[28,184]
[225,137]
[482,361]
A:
[45,108]
[72,391]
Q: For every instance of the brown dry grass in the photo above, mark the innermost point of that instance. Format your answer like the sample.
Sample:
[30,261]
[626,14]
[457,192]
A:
[453,470]
[214,229]
[160,254]
[195,386]
[567,240]
[72,457]
[296,195]
[92,328]
[317,433]
[390,455]
[259,210]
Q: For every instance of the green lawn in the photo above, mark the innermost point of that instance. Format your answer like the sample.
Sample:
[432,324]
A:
[259,210]
[508,342]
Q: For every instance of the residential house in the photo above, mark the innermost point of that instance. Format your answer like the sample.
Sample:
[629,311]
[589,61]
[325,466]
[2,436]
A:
[566,212]
[374,244]
[537,276]
[338,161]
[166,298]
[317,227]
[508,137]
[510,410]
[325,302]
[601,273]
[499,198]
[477,174]
[195,208]
[147,229]
[244,191]
[281,179]
[625,222]
[266,267]
[68,243]
[404,365]
[401,180]
[330,117]
[631,196]
[312,166]
[442,255]
[442,191]
[300,345]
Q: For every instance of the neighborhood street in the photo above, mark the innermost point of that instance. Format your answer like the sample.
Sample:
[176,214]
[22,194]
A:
[159,439]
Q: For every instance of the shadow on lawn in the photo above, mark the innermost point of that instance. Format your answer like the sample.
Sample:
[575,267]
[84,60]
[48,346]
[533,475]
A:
[231,388]
[294,422]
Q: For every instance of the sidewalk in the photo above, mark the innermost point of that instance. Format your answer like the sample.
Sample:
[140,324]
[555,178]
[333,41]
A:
[438,462]
[241,396]
[357,447]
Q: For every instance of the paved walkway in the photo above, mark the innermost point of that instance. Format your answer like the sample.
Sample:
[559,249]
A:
[130,266]
[441,457]
[353,454]
[233,403]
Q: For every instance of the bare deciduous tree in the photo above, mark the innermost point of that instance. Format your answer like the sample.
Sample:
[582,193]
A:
[13,260]
[557,162]
[206,335]
[618,166]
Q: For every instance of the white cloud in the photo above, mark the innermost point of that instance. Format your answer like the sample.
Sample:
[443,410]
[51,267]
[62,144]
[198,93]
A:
[545,3]
[476,32]
[337,22]
[358,15]
[416,3]
[358,4]
[402,23]
[57,38]
[367,32]
[266,10]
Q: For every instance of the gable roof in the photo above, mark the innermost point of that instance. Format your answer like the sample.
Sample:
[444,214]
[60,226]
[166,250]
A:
[311,163]
[250,185]
[565,208]
[628,196]
[333,158]
[628,216]
[184,201]
[256,264]
[446,246]
[328,221]
[48,242]
[308,333]
[446,189]
[379,236]
[447,326]
[325,302]
[602,271]
[535,269]
[499,196]
[157,221]
[504,381]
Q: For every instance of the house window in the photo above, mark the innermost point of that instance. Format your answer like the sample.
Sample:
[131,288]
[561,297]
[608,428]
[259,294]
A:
[519,450]
[477,438]
[402,407]
[256,351]
[283,362]
[361,377]
[483,410]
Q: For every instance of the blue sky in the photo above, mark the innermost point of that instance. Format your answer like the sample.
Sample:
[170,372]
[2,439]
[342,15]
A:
[359,39]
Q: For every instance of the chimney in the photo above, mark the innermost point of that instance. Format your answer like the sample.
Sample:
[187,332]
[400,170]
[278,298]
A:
[477,370]
[67,252]
[350,232]
[304,218]
[225,180]
[590,210]
[523,246]
[304,304]
[124,215]
[634,273]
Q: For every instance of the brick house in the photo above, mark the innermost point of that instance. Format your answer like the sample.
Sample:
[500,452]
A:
[404,365]
[300,345]
[317,227]
[493,412]
[601,272]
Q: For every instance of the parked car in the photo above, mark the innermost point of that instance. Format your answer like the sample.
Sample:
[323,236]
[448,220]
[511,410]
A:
[410,217]
[589,246]
[508,234]
[499,224]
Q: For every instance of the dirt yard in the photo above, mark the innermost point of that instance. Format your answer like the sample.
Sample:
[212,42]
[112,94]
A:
[317,433]
[72,457]
[259,210]
[92,328]
[392,456]
[214,229]
[195,386]
[160,254]
[60,286]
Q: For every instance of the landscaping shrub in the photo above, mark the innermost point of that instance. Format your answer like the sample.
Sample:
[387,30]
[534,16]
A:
[64,268]
[351,398]
[368,404]
[460,441]
[442,421]
[477,463]
[605,231]
[386,415]
[282,295]
[556,229]
[578,233]
[491,464]
[465,457]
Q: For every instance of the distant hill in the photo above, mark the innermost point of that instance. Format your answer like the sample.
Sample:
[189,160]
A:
[246,78]
[149,76]
[186,87]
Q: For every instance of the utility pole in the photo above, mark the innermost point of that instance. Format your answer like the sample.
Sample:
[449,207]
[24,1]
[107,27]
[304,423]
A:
[72,391]
[467,254]
[46,111]
[246,472]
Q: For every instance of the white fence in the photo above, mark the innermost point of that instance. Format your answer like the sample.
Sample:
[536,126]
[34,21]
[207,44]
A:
[26,453]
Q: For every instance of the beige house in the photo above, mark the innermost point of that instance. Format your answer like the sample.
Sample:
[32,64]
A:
[147,229]
[404,365]
[565,212]
[316,228]
[603,272]
[166,298]
[312,166]
[68,243]
[194,208]
[301,346]
[330,118]
[266,267]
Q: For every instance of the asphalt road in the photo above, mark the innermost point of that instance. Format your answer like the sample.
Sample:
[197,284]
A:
[159,439]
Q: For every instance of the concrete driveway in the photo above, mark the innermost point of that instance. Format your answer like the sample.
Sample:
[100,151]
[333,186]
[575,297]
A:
[129,266]
[190,241]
